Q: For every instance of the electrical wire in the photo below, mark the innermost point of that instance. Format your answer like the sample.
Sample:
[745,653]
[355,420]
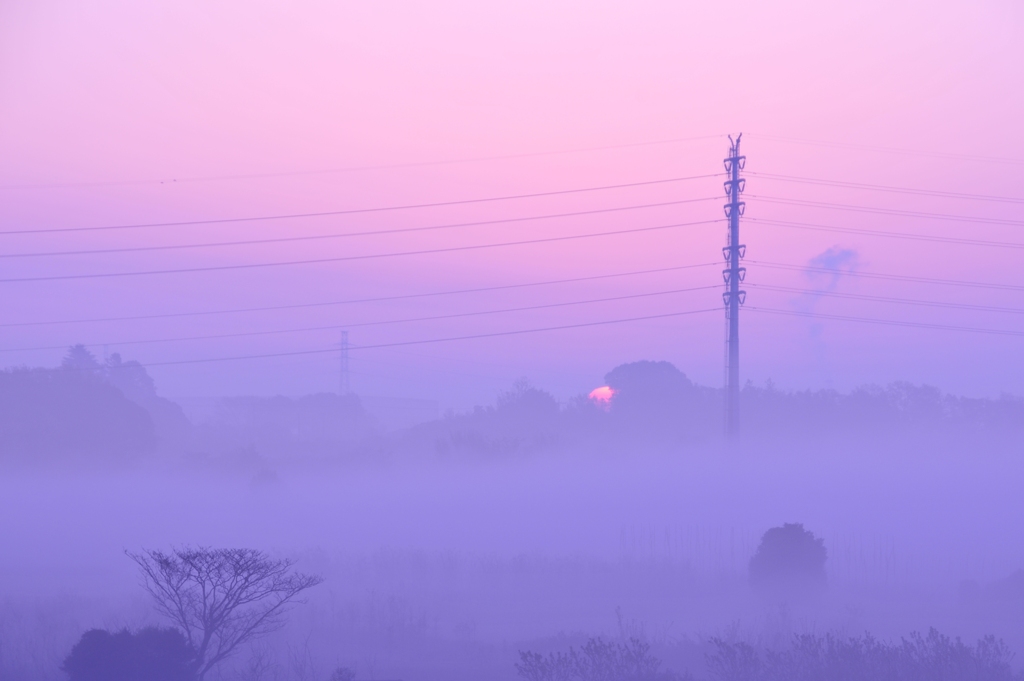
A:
[886,322]
[379,232]
[355,211]
[888,234]
[888,150]
[484,289]
[338,326]
[885,211]
[884,276]
[888,299]
[350,301]
[497,334]
[349,258]
[883,188]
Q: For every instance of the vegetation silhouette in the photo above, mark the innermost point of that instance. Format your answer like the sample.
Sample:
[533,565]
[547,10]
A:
[812,657]
[221,598]
[789,561]
[70,411]
[597,660]
[150,654]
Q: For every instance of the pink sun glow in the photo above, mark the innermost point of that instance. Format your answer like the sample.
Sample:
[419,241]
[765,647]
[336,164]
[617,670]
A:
[602,396]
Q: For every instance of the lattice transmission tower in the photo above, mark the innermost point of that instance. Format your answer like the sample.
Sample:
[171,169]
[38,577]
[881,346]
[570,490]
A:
[733,275]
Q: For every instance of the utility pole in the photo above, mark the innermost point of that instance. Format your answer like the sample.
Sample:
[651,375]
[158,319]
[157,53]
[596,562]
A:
[733,275]
[345,385]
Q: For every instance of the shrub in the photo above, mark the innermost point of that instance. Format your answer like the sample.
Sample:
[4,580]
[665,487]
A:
[151,654]
[789,560]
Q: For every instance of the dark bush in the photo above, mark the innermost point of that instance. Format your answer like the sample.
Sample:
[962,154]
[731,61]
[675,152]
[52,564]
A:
[151,654]
[788,561]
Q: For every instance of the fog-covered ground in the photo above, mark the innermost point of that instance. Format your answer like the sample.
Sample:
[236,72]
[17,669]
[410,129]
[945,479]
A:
[448,547]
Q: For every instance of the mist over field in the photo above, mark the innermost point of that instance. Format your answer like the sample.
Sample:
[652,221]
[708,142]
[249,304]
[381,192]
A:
[535,341]
[449,546]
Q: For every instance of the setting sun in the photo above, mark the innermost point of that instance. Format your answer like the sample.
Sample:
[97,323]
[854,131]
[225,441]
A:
[602,396]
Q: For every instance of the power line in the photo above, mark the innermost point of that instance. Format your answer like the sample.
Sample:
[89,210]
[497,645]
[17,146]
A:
[886,188]
[889,299]
[890,150]
[484,289]
[350,301]
[317,237]
[355,211]
[884,276]
[370,256]
[890,234]
[497,334]
[885,211]
[336,326]
[330,171]
[889,322]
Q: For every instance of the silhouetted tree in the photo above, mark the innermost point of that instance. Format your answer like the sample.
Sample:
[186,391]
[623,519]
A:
[151,654]
[656,399]
[645,384]
[131,378]
[788,559]
[79,358]
[55,412]
[527,402]
[523,419]
[135,383]
[221,598]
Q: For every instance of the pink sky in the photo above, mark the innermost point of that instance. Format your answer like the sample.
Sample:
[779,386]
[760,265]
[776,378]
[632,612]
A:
[99,99]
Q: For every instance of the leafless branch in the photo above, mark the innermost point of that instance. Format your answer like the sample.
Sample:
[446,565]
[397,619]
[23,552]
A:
[220,598]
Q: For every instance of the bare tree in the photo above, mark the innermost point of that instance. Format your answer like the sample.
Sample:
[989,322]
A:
[221,598]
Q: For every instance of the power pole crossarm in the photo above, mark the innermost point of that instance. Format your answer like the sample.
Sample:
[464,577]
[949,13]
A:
[733,275]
